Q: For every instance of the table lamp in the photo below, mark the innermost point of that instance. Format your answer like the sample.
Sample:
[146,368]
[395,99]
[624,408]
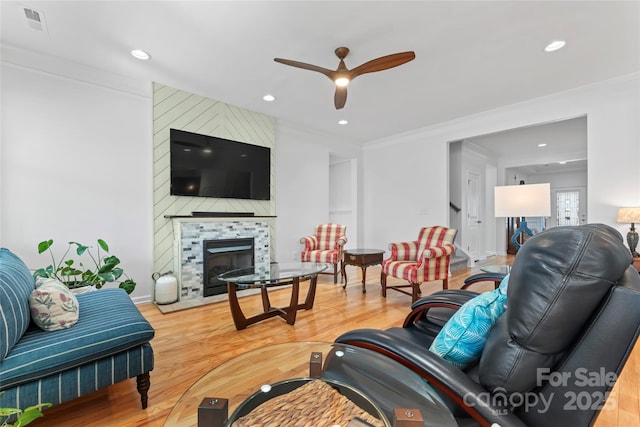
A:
[630,215]
[522,200]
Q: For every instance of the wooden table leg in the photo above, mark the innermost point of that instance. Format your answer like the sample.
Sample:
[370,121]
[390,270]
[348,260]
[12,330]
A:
[364,279]
[344,276]
[311,295]
[289,313]
[266,304]
[236,312]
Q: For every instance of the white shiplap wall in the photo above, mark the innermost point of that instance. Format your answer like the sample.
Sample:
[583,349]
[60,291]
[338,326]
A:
[173,108]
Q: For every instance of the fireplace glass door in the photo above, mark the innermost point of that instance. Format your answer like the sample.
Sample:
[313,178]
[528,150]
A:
[222,255]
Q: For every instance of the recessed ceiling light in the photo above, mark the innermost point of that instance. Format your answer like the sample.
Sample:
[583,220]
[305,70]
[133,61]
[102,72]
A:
[140,54]
[342,122]
[269,98]
[555,45]
[542,145]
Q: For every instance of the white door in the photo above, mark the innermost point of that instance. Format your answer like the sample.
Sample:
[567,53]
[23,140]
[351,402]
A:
[343,197]
[474,227]
[568,206]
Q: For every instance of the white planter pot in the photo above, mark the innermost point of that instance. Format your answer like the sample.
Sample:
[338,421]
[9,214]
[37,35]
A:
[82,289]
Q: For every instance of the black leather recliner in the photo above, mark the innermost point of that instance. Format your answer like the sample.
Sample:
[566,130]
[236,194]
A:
[572,318]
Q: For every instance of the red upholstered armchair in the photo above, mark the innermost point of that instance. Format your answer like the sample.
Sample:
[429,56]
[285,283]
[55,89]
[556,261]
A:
[325,246]
[421,260]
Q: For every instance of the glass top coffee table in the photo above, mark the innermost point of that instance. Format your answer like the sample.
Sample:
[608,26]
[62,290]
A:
[254,377]
[277,274]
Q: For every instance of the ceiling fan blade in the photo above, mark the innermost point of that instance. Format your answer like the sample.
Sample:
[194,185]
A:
[383,63]
[340,97]
[304,66]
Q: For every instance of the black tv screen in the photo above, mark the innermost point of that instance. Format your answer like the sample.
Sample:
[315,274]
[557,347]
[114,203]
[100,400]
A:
[208,166]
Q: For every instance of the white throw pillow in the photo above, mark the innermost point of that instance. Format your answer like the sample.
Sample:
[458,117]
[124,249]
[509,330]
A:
[53,306]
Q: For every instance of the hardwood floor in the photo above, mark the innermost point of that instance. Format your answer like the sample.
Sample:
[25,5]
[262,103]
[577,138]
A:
[191,342]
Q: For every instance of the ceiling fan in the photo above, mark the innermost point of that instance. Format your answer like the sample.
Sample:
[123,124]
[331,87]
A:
[342,75]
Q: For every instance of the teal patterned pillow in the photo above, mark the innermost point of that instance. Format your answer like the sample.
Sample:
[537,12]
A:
[462,338]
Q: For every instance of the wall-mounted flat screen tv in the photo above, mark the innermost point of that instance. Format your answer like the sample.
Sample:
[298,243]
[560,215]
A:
[208,166]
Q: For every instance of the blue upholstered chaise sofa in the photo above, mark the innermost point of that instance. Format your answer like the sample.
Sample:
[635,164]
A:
[109,343]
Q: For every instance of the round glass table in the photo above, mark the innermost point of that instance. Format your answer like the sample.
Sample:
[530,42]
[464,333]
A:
[276,274]
[228,391]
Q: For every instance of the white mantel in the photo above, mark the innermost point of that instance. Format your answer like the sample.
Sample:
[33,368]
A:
[189,234]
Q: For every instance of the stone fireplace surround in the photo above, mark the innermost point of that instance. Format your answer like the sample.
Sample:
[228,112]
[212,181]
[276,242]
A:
[189,234]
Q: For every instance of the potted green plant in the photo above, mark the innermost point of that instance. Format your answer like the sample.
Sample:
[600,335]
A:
[75,274]
[22,417]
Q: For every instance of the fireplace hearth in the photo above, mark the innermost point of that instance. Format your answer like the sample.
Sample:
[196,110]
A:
[222,255]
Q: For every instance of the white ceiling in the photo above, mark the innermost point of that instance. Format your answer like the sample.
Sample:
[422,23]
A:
[564,149]
[470,56]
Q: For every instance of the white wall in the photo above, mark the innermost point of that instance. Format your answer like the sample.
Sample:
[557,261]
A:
[302,181]
[406,176]
[76,165]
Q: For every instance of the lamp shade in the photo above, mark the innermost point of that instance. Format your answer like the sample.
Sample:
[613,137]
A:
[629,215]
[528,200]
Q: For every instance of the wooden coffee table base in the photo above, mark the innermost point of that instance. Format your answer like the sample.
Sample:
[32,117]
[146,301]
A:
[287,313]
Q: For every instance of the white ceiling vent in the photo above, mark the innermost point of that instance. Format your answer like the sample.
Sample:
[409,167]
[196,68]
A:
[35,19]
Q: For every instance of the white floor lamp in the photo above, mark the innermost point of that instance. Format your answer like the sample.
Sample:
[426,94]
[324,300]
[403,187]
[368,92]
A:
[525,200]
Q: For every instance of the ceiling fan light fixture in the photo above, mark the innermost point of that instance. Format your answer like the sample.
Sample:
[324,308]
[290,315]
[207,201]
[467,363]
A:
[341,81]
[342,75]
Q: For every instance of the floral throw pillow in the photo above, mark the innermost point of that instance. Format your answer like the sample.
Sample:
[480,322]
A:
[53,306]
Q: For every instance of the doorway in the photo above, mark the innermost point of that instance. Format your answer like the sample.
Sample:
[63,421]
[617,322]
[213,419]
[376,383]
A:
[568,206]
[343,192]
[553,152]
[474,226]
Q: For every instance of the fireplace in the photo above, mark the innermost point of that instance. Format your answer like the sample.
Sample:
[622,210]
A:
[221,255]
[189,251]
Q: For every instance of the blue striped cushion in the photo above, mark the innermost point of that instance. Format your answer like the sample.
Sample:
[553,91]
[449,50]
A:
[109,322]
[16,284]
[461,340]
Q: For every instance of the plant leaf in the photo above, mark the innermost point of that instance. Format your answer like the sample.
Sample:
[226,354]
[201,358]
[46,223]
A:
[27,417]
[80,247]
[43,246]
[70,271]
[128,285]
[113,260]
[117,272]
[41,272]
[103,245]
[5,412]
[105,268]
[39,406]
[107,277]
